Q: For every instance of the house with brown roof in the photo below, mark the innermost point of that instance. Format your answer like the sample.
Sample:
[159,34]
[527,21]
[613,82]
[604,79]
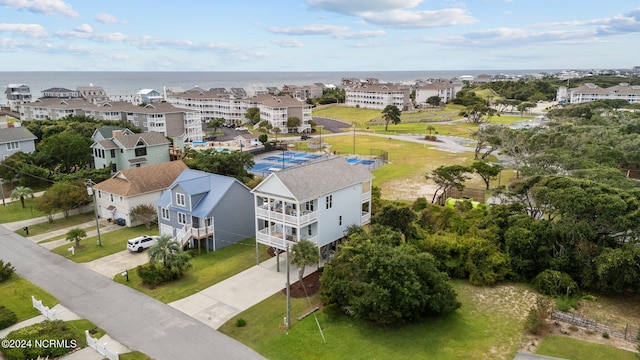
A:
[124,151]
[115,197]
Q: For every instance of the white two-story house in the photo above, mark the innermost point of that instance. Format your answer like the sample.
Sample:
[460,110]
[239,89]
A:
[316,202]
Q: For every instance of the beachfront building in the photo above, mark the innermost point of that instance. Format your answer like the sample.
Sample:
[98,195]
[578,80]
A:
[378,96]
[206,210]
[52,108]
[60,93]
[148,96]
[212,104]
[17,94]
[16,139]
[315,202]
[446,91]
[592,92]
[93,94]
[124,151]
[129,188]
[303,93]
[277,110]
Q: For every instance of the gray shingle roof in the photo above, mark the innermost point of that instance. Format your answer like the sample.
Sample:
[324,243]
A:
[15,134]
[316,179]
[150,138]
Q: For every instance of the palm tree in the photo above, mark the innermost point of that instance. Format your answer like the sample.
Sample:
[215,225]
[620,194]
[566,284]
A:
[430,128]
[20,192]
[169,252]
[303,253]
[76,234]
[390,114]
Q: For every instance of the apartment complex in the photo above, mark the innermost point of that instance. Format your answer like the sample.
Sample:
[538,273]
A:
[277,110]
[592,92]
[378,96]
[212,104]
[446,91]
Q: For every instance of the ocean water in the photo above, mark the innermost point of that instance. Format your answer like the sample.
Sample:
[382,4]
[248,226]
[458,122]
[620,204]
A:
[130,82]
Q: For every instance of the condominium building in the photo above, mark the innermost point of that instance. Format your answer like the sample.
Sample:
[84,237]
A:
[446,91]
[378,96]
[591,92]
[212,104]
[277,110]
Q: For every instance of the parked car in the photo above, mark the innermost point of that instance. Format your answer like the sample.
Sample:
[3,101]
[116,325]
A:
[210,137]
[241,128]
[140,243]
[305,137]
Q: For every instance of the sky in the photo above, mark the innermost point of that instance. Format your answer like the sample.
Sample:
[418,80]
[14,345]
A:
[317,35]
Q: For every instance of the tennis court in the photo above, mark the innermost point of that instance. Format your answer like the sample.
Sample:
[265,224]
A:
[277,161]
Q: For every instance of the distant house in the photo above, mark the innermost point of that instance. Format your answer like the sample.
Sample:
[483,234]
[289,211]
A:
[17,94]
[315,202]
[248,141]
[117,196]
[148,96]
[16,139]
[93,94]
[127,151]
[206,210]
[59,93]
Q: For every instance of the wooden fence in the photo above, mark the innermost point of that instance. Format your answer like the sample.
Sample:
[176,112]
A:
[628,333]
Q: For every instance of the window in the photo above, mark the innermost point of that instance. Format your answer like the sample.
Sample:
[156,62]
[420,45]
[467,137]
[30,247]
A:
[99,194]
[13,145]
[180,200]
[329,201]
[113,153]
[141,151]
[120,198]
[111,197]
[340,220]
[182,218]
[309,230]
[165,214]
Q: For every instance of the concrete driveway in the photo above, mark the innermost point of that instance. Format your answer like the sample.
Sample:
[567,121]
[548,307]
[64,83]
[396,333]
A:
[114,264]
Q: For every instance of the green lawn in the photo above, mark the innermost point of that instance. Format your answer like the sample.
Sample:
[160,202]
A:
[16,295]
[14,211]
[64,236]
[478,330]
[208,269]
[112,242]
[569,348]
[134,355]
[57,224]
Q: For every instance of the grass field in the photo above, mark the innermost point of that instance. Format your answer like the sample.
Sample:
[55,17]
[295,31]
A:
[568,348]
[480,329]
[112,242]
[13,211]
[208,269]
[45,227]
[15,295]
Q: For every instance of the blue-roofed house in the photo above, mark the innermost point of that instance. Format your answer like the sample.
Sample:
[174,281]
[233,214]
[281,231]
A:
[206,210]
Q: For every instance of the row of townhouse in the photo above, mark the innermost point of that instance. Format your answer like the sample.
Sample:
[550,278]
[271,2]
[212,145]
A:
[373,95]
[173,122]
[218,103]
[315,202]
[592,92]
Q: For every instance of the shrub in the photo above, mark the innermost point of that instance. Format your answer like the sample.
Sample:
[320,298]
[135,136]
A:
[7,318]
[535,319]
[240,322]
[552,282]
[605,335]
[590,297]
[6,270]
[150,275]
[573,328]
[46,331]
[566,304]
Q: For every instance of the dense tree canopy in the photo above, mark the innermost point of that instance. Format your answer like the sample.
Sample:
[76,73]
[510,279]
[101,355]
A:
[234,164]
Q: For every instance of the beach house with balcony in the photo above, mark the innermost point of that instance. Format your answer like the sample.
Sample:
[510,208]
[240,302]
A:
[205,210]
[315,202]
[124,150]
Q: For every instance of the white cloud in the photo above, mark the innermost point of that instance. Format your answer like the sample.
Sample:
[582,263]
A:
[314,29]
[396,13]
[107,19]
[366,34]
[288,43]
[357,7]
[28,30]
[49,7]
[420,19]
[84,28]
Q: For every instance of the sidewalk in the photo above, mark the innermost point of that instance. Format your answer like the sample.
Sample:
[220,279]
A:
[217,304]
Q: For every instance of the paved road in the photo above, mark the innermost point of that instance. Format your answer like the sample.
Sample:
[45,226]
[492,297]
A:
[134,319]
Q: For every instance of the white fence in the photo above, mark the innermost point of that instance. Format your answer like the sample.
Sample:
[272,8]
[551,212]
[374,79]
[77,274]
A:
[48,313]
[100,348]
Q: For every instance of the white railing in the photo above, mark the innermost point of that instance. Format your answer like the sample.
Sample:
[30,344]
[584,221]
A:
[366,196]
[100,348]
[277,240]
[293,217]
[48,313]
[366,217]
[184,235]
[202,231]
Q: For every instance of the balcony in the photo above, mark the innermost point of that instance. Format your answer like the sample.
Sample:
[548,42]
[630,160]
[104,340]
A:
[275,239]
[290,217]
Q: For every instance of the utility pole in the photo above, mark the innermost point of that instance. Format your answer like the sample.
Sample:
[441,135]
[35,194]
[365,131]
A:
[354,139]
[89,183]
[288,324]
[2,191]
